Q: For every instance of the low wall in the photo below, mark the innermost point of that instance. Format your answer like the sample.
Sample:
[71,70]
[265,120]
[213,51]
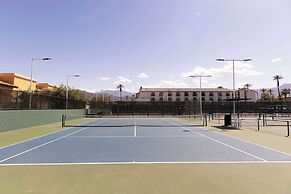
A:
[17,119]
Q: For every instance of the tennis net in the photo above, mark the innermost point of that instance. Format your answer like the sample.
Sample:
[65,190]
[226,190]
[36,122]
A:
[130,121]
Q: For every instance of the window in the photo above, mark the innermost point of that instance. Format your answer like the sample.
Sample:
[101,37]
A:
[211,94]
[194,93]
[186,94]
[178,94]
[203,99]
[219,94]
[219,99]
[194,99]
[170,99]
[152,99]
[161,98]
[178,100]
[170,94]
[227,94]
[161,94]
[203,93]
[211,99]
[186,99]
[153,94]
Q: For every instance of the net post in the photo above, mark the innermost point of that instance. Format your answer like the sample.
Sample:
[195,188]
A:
[205,118]
[63,120]
[288,129]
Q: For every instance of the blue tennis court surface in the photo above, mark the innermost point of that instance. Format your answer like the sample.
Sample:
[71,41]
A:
[136,140]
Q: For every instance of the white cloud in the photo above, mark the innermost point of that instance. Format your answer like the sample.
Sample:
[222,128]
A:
[243,69]
[142,76]
[122,80]
[104,78]
[276,60]
[168,84]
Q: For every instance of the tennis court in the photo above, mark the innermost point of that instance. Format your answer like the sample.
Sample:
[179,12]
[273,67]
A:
[136,140]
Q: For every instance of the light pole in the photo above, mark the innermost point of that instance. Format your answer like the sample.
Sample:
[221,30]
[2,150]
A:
[233,77]
[31,73]
[67,88]
[200,96]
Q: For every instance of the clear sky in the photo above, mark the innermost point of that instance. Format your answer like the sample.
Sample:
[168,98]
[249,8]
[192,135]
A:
[155,43]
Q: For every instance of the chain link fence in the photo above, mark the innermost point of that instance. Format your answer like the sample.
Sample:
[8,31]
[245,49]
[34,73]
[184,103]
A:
[12,99]
[186,108]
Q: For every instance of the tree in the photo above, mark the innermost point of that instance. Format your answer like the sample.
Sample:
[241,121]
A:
[74,94]
[285,92]
[277,79]
[263,95]
[120,86]
[271,96]
[246,88]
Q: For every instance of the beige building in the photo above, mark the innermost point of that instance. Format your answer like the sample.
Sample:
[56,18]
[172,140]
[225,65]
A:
[249,95]
[190,94]
[46,86]
[19,81]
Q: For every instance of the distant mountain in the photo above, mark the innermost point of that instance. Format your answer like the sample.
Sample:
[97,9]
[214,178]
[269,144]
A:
[113,94]
[275,92]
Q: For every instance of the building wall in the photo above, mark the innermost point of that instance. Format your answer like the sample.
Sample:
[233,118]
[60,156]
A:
[46,86]
[22,82]
[190,95]
[249,94]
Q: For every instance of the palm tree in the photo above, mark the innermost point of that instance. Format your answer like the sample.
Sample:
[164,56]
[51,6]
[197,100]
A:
[285,92]
[120,86]
[277,78]
[263,93]
[271,94]
[246,87]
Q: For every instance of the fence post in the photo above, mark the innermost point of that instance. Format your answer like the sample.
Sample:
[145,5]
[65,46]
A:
[205,118]
[63,120]
[288,127]
[16,100]
[258,124]
[148,109]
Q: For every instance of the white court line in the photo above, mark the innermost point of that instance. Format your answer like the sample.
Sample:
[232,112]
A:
[259,158]
[135,131]
[130,136]
[254,144]
[41,145]
[225,144]
[136,163]
[39,137]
